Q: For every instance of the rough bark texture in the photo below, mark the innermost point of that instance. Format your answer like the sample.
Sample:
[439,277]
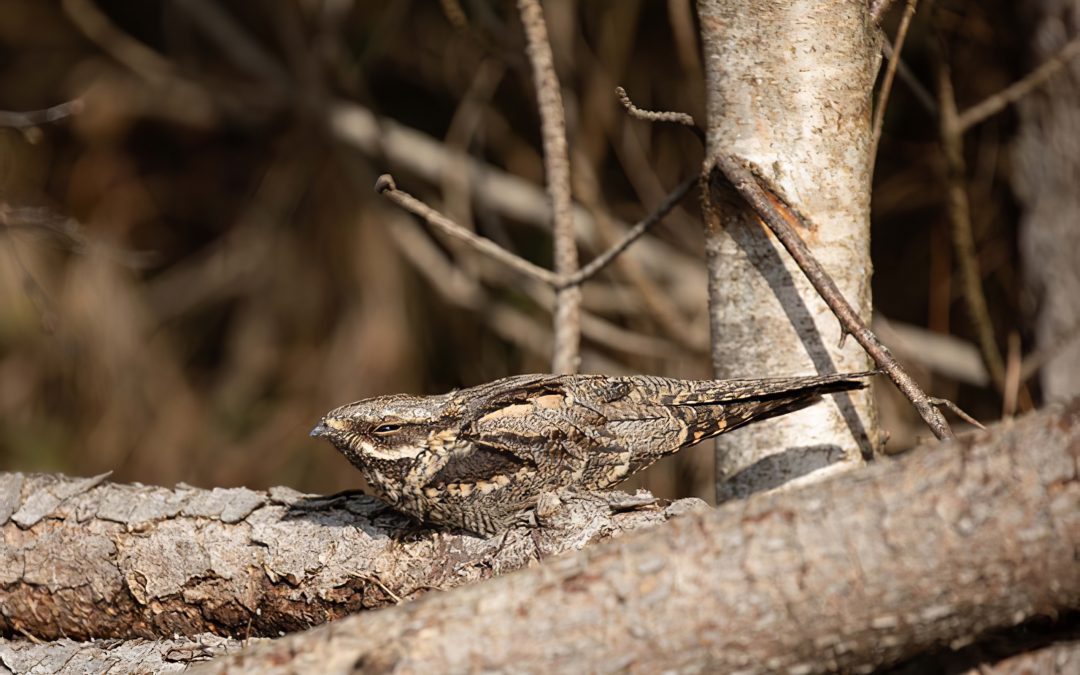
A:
[849,574]
[119,657]
[788,87]
[1046,175]
[82,558]
[1058,659]
[116,657]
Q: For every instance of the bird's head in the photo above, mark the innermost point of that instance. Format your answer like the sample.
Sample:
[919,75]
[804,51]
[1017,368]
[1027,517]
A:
[386,433]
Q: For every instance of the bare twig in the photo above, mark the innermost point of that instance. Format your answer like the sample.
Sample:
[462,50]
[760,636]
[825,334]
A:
[671,116]
[959,210]
[32,118]
[557,170]
[921,93]
[387,187]
[878,9]
[957,410]
[890,75]
[780,218]
[997,102]
[641,227]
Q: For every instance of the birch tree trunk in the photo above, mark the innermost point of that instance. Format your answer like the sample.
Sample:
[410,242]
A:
[788,88]
[1046,175]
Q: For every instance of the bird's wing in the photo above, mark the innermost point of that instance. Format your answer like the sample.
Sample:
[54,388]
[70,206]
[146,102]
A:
[475,462]
[536,417]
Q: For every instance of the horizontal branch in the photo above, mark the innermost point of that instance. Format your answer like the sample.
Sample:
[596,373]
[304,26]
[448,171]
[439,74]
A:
[21,119]
[236,562]
[115,657]
[861,571]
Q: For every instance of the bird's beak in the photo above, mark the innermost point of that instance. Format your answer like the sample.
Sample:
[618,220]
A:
[320,430]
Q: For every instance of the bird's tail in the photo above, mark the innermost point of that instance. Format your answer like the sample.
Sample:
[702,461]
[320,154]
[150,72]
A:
[714,407]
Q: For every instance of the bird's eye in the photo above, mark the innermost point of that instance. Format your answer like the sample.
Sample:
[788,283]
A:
[386,429]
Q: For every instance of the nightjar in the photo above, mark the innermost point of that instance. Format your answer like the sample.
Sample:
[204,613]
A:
[477,458]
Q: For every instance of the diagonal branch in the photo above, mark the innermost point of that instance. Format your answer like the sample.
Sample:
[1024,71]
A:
[641,227]
[997,102]
[780,218]
[890,75]
[388,188]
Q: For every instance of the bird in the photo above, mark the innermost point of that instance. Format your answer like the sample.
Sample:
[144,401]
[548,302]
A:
[478,458]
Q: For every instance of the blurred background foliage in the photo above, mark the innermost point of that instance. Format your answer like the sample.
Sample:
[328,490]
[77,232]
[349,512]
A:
[194,267]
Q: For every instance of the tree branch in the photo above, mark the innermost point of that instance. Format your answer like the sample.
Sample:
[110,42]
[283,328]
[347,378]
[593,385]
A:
[386,186]
[237,562]
[995,103]
[31,118]
[115,657]
[960,218]
[849,574]
[567,357]
[887,81]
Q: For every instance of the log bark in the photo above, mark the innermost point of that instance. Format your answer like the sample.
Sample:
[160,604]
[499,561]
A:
[83,558]
[1057,659]
[789,88]
[116,657]
[120,657]
[858,572]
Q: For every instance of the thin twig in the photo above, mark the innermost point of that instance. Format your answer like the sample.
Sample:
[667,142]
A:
[671,116]
[878,9]
[957,410]
[780,218]
[604,259]
[387,187]
[32,118]
[995,103]
[959,210]
[890,75]
[557,169]
[921,93]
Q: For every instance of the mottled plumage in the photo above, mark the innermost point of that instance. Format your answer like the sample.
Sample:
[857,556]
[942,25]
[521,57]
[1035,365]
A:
[479,457]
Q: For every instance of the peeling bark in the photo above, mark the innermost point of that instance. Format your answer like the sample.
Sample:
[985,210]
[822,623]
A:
[854,573]
[82,558]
